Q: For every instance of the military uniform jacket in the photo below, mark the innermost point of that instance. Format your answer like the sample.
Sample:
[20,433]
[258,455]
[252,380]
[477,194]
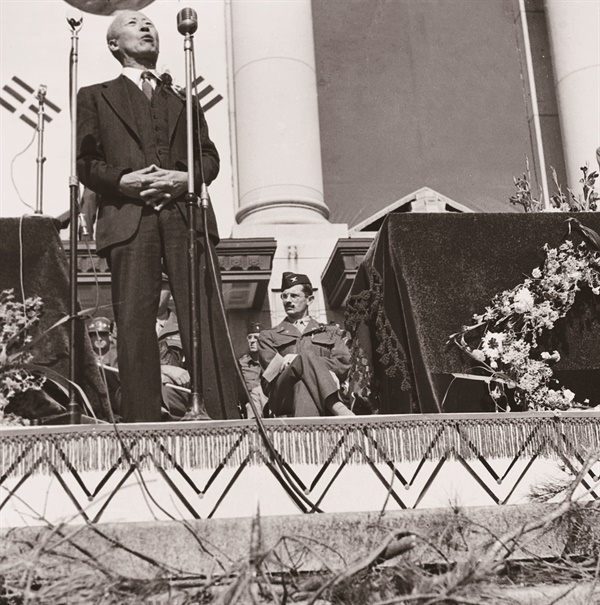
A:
[169,343]
[251,371]
[323,341]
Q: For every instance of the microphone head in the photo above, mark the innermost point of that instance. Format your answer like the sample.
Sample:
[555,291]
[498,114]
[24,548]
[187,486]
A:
[187,21]
[41,93]
[74,18]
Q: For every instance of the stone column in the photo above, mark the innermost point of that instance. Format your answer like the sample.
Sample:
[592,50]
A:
[574,29]
[277,120]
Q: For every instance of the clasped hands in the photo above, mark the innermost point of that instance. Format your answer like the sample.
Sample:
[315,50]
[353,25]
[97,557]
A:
[153,185]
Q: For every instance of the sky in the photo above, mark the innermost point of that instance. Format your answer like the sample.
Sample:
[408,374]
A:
[35,45]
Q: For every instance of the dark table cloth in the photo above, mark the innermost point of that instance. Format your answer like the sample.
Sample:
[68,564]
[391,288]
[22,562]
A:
[424,277]
[31,254]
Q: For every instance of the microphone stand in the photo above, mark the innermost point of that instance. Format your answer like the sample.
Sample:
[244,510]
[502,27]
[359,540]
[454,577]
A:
[73,409]
[210,266]
[41,96]
[197,407]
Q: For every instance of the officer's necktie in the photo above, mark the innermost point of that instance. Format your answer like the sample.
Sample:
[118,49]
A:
[146,79]
[301,324]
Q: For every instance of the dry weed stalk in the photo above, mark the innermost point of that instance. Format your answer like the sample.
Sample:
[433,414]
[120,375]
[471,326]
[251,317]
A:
[47,573]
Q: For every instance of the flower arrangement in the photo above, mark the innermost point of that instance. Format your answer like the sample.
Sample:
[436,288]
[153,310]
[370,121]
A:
[559,201]
[505,340]
[16,322]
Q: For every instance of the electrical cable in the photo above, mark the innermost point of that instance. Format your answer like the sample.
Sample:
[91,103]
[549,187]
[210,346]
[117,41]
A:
[284,476]
[12,175]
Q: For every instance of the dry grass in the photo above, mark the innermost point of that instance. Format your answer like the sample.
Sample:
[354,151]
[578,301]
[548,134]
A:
[57,570]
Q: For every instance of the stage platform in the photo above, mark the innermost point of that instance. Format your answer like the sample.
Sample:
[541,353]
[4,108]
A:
[146,472]
[398,459]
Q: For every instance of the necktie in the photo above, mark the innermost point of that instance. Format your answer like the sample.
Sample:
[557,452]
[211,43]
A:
[301,324]
[146,79]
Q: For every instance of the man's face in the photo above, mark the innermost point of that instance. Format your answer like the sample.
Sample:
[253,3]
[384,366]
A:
[252,339]
[100,342]
[134,37]
[295,302]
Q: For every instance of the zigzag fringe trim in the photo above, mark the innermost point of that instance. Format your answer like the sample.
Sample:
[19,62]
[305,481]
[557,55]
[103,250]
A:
[26,450]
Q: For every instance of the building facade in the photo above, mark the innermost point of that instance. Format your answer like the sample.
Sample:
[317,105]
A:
[344,108]
[331,112]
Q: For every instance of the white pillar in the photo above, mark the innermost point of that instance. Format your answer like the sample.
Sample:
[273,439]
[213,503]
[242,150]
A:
[574,29]
[280,176]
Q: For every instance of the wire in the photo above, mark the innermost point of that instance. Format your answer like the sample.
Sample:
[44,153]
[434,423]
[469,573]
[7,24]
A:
[285,478]
[12,175]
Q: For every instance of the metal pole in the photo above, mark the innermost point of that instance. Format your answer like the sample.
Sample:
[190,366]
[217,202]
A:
[73,408]
[197,407]
[39,193]
[537,126]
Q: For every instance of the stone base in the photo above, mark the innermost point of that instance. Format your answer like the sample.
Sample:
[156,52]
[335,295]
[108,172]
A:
[334,538]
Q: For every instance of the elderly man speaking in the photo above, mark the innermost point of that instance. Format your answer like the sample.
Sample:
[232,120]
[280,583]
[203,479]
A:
[303,360]
[132,152]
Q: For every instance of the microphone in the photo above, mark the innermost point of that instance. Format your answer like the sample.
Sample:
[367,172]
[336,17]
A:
[74,18]
[41,93]
[187,21]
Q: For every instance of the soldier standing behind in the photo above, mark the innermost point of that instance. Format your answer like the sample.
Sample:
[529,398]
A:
[101,333]
[173,372]
[252,372]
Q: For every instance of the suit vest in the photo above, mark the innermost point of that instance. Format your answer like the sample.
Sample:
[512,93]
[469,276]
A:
[152,124]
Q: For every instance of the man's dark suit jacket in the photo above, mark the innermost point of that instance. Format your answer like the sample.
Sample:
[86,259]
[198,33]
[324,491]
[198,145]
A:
[109,146]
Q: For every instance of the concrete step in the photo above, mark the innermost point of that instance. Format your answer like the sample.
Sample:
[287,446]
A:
[442,541]
[447,534]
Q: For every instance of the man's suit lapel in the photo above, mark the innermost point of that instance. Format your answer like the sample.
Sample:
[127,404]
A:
[175,107]
[117,96]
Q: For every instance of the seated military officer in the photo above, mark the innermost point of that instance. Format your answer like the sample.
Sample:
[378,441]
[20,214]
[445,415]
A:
[303,361]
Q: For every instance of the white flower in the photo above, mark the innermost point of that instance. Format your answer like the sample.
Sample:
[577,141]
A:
[554,356]
[496,394]
[491,344]
[568,395]
[478,354]
[516,352]
[523,301]
[536,273]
